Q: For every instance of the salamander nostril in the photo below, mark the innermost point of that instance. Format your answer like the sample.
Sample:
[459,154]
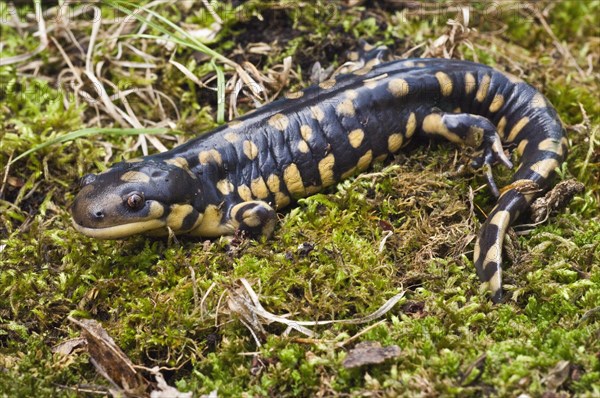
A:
[86,180]
[99,214]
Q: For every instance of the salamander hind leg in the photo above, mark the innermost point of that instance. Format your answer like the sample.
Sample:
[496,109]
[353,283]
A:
[474,131]
[255,218]
[363,60]
[368,52]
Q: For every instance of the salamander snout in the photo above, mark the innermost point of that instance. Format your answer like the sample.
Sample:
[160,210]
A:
[87,180]
[133,198]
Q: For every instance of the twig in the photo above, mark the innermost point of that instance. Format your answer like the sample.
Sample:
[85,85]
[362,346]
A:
[212,12]
[562,49]
[5,178]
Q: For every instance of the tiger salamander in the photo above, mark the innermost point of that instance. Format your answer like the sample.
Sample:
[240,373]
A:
[237,176]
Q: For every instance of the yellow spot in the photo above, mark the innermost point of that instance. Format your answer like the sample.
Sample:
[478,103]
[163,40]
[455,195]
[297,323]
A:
[225,187]
[380,158]
[281,199]
[210,156]
[410,64]
[317,113]
[250,150]
[469,82]
[351,94]
[235,124]
[177,216]
[445,83]
[474,137]
[501,126]
[544,167]
[313,189]
[346,108]
[420,64]
[259,188]
[306,132]
[538,101]
[483,88]
[326,170]
[356,137]
[411,125]
[564,144]
[398,87]
[303,147]
[457,110]
[250,218]
[211,225]
[293,180]
[521,147]
[183,164]
[367,68]
[327,84]
[495,282]
[273,183]
[135,176]
[517,129]
[348,173]
[372,62]
[493,255]
[497,103]
[551,145]
[395,142]
[294,95]
[179,162]
[231,137]
[500,219]
[362,71]
[245,193]
[432,124]
[365,160]
[279,121]
[156,210]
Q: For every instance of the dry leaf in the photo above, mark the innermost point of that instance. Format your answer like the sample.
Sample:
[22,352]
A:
[109,360]
[370,352]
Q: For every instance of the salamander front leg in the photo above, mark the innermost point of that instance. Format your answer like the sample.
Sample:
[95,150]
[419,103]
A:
[473,131]
[256,218]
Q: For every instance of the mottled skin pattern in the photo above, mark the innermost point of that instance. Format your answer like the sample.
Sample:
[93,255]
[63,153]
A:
[235,177]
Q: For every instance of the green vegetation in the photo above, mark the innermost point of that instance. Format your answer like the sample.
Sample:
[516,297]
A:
[168,302]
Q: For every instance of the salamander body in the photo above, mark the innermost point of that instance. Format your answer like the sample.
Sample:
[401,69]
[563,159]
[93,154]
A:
[237,176]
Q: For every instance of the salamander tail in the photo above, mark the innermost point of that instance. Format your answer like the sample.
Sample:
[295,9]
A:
[541,154]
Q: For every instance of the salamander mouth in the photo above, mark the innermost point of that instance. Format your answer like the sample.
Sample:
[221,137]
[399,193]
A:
[121,231]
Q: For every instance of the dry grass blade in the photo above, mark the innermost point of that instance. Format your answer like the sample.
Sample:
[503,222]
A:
[220,92]
[188,73]
[87,132]
[254,308]
[43,39]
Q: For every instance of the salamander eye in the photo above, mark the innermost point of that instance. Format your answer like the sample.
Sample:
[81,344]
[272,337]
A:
[135,201]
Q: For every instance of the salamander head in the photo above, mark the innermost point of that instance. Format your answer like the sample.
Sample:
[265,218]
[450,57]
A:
[137,198]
